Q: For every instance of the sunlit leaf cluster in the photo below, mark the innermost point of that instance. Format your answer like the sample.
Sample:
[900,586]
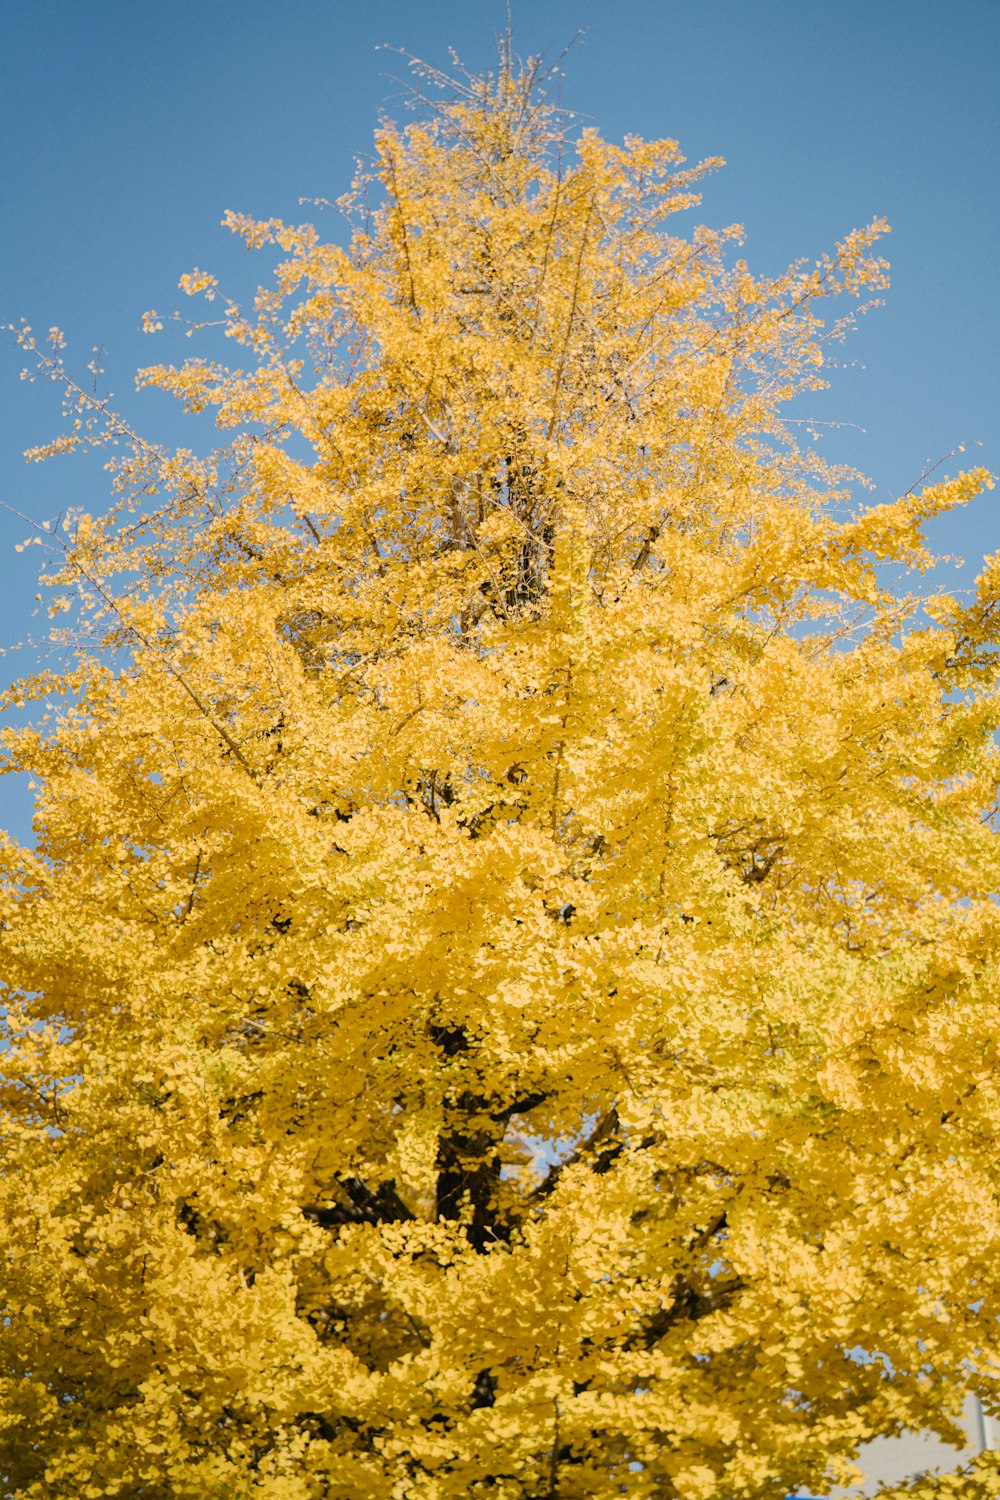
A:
[503,998]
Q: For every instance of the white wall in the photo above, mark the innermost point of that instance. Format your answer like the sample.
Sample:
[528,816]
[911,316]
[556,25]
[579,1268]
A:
[891,1460]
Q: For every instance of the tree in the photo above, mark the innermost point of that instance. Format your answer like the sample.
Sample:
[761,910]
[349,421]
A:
[503,1001]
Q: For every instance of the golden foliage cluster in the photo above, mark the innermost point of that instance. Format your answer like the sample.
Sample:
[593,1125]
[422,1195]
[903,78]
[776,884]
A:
[503,1001]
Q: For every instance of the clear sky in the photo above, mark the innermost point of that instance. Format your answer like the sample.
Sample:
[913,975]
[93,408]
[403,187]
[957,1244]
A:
[128,128]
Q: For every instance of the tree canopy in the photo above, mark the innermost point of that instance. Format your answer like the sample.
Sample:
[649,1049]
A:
[503,999]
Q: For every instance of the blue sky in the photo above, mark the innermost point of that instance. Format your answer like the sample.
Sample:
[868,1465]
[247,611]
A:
[130,128]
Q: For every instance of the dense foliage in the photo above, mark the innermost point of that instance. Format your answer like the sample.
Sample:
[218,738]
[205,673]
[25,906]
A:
[503,1001]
